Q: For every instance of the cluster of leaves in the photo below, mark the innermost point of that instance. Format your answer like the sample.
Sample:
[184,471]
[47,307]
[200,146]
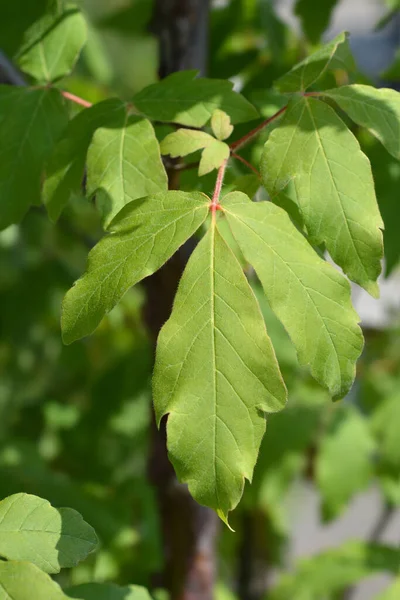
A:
[216,374]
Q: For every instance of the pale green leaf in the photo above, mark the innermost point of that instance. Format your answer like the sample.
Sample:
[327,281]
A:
[52,45]
[124,163]
[213,156]
[335,55]
[309,296]
[333,570]
[31,120]
[392,592]
[23,580]
[385,424]
[65,169]
[344,461]
[376,109]
[221,124]
[313,150]
[215,375]
[143,237]
[31,529]
[185,141]
[314,17]
[108,591]
[183,98]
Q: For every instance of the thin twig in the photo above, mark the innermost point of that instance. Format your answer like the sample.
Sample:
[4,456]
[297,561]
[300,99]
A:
[246,162]
[76,99]
[254,132]
[218,186]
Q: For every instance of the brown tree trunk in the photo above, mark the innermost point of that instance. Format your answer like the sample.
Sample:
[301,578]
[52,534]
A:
[189,530]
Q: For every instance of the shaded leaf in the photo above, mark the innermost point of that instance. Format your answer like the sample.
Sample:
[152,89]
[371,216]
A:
[334,55]
[31,529]
[183,98]
[22,580]
[108,591]
[314,151]
[385,424]
[143,237]
[215,375]
[344,461]
[311,299]
[52,44]
[314,17]
[376,109]
[31,120]
[221,124]
[124,163]
[65,169]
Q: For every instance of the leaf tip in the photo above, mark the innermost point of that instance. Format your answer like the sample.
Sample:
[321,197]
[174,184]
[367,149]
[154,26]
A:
[224,519]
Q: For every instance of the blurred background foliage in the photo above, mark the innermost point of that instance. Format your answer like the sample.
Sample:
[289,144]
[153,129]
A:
[75,421]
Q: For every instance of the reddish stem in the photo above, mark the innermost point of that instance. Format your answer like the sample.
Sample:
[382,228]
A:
[254,132]
[246,162]
[76,99]
[214,206]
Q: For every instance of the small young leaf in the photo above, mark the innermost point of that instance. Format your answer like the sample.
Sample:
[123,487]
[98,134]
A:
[181,98]
[344,461]
[311,299]
[31,529]
[377,110]
[143,237]
[22,580]
[334,55]
[314,17]
[185,141]
[124,163]
[108,591]
[314,151]
[52,45]
[65,169]
[221,124]
[213,156]
[215,375]
[31,120]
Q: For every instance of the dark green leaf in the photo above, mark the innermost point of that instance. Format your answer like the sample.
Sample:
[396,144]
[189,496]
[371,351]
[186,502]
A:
[315,17]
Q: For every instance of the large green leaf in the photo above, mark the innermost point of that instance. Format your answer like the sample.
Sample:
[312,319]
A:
[215,375]
[108,591]
[313,150]
[377,110]
[31,529]
[332,571]
[52,44]
[334,55]
[181,98]
[344,461]
[22,580]
[124,163]
[65,169]
[314,17]
[143,237]
[31,120]
[311,299]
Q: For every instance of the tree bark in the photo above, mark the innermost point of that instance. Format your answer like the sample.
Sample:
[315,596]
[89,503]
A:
[189,530]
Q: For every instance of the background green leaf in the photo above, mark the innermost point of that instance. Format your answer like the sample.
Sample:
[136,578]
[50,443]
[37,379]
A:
[22,580]
[314,17]
[108,591]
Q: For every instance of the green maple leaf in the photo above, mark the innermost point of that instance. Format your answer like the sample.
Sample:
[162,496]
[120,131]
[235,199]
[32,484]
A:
[144,235]
[311,299]
[215,375]
[332,181]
